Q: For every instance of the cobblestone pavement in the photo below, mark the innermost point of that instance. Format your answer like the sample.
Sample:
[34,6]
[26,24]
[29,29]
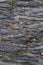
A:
[21,33]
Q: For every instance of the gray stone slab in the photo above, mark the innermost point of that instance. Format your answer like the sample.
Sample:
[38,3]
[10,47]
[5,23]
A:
[3,1]
[5,63]
[37,15]
[13,40]
[9,20]
[37,63]
[31,3]
[18,10]
[3,17]
[37,48]
[36,44]
[10,48]
[4,31]
[24,59]
[37,10]
[5,13]
[15,18]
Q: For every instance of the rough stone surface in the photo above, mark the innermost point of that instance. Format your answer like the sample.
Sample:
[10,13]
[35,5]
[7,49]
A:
[21,33]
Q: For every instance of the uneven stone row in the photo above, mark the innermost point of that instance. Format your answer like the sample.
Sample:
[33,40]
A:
[22,31]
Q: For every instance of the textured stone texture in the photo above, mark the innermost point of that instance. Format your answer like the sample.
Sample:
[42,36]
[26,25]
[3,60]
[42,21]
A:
[21,33]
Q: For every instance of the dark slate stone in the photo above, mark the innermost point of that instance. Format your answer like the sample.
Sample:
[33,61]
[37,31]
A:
[4,31]
[5,13]
[4,7]
[23,59]
[18,41]
[37,44]
[3,17]
[37,15]
[37,48]
[13,40]
[36,11]
[35,52]
[10,48]
[39,34]
[31,3]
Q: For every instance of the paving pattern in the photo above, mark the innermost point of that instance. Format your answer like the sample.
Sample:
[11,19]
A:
[21,33]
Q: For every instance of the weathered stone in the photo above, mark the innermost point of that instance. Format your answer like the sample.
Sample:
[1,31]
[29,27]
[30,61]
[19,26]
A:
[19,10]
[13,40]
[23,59]
[31,3]
[37,15]
[4,5]
[9,48]
[5,13]
[2,1]
[38,48]
[21,29]
[16,18]
[4,31]
[37,10]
